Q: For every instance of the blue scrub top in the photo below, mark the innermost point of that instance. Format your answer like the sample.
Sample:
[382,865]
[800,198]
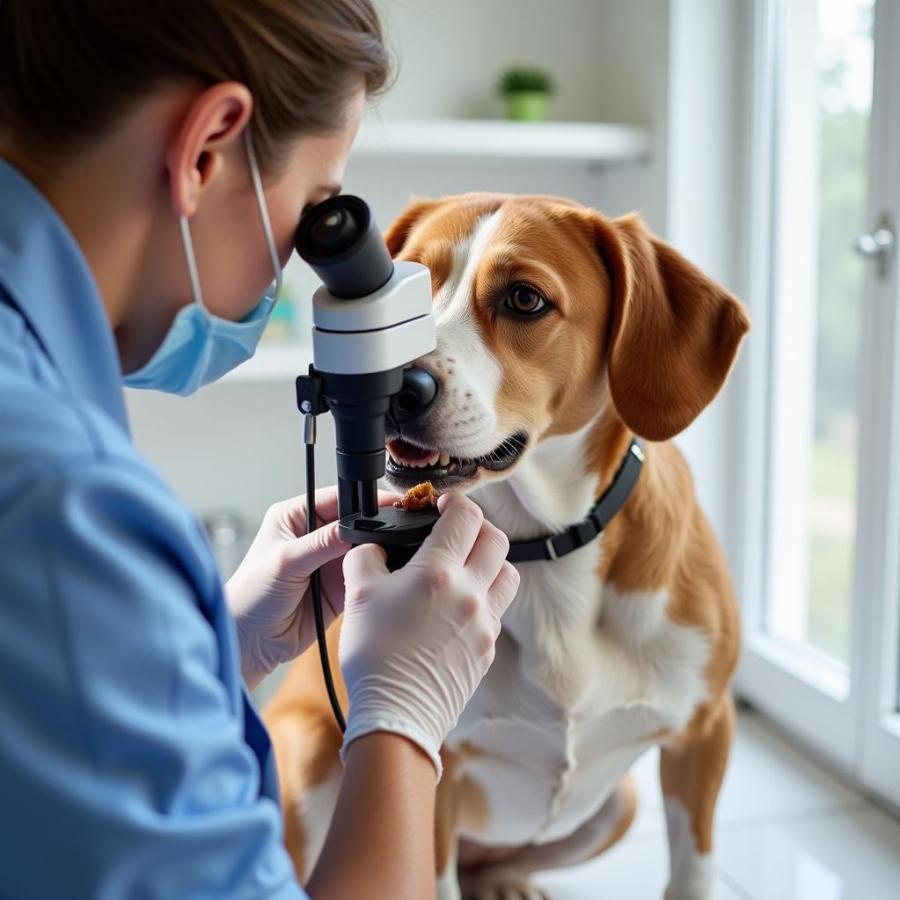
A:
[132,763]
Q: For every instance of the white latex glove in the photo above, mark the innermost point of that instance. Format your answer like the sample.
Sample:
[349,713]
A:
[415,643]
[269,595]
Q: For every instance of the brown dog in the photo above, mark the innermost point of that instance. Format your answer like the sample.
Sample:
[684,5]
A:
[561,335]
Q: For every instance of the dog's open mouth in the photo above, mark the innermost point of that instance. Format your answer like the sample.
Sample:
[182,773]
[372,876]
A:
[410,462]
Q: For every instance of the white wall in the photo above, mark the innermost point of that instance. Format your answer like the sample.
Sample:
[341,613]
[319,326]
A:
[608,58]
[708,112]
[231,446]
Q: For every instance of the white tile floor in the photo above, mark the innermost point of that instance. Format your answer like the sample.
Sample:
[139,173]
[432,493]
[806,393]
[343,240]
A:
[785,830]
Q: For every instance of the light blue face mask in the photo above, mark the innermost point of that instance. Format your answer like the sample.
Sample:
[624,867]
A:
[200,347]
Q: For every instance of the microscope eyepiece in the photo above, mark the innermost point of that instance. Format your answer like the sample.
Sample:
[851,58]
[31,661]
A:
[333,233]
[341,242]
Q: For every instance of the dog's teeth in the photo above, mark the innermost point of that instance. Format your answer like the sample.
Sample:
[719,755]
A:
[444,459]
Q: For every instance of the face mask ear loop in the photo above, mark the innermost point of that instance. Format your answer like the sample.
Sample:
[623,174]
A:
[191,261]
[263,213]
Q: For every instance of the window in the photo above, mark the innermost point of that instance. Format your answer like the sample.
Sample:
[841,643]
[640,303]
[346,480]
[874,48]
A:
[819,290]
[820,577]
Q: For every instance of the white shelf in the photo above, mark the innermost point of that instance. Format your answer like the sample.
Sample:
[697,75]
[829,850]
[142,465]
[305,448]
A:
[274,362]
[592,143]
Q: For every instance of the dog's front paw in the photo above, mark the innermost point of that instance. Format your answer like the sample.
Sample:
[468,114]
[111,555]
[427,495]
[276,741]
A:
[690,885]
[500,884]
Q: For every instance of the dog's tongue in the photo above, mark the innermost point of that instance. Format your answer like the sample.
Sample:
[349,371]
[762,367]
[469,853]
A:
[409,454]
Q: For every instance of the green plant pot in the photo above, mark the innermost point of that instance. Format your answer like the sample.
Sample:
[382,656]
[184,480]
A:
[527,106]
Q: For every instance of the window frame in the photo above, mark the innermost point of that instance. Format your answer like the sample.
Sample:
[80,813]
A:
[847,717]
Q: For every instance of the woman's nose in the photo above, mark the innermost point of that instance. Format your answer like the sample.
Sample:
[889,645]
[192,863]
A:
[420,388]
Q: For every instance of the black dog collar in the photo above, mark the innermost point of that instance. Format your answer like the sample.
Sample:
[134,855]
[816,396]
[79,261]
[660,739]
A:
[598,517]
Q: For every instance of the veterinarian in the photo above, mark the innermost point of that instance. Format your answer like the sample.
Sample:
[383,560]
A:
[154,162]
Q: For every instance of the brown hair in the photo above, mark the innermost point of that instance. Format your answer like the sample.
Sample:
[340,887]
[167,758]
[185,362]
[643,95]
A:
[68,68]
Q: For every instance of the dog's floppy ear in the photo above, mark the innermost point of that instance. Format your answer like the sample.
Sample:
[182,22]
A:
[398,231]
[674,334]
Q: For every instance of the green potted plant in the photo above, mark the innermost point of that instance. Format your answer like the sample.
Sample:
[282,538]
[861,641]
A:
[526,93]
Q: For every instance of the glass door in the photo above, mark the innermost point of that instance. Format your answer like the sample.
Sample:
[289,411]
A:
[824,122]
[821,561]
[876,620]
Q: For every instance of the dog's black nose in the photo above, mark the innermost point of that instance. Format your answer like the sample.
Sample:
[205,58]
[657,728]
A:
[417,394]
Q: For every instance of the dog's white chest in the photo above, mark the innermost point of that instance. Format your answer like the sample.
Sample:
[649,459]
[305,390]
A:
[583,681]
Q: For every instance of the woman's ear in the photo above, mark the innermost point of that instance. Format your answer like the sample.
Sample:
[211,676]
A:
[674,335]
[214,121]
[398,232]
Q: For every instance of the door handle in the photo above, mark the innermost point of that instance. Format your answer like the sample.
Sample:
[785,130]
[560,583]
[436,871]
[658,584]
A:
[878,244]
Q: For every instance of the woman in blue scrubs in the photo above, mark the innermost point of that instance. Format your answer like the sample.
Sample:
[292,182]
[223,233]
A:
[154,162]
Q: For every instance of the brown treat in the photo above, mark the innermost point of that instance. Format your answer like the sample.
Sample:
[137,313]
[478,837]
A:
[422,496]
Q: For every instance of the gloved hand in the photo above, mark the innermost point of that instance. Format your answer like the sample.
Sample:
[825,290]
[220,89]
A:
[269,593]
[415,643]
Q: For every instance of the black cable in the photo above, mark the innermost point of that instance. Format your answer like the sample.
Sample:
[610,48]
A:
[316,587]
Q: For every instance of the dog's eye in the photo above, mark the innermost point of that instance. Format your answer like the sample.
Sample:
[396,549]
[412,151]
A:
[524,300]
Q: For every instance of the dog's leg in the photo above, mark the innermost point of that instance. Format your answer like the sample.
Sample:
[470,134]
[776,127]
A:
[448,879]
[445,841]
[691,773]
[309,771]
[511,876]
